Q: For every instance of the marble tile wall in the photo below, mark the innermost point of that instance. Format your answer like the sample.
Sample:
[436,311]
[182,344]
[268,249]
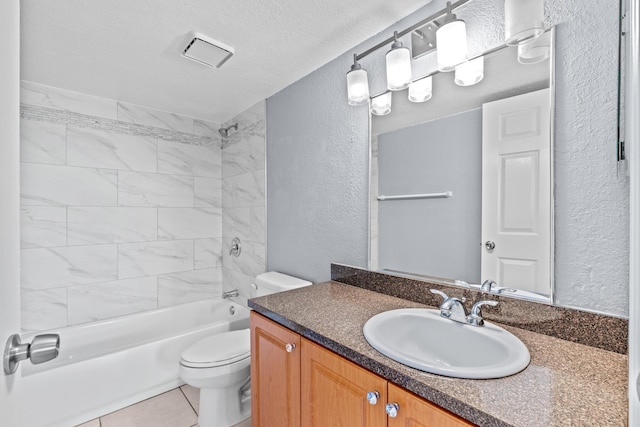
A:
[243,200]
[122,208]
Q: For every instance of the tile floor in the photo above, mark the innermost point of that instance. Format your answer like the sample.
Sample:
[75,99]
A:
[175,408]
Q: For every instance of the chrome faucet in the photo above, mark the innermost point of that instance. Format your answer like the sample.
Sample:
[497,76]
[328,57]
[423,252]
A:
[475,318]
[230,294]
[487,285]
[452,308]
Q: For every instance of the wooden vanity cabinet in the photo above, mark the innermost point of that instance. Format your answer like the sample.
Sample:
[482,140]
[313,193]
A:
[311,386]
[334,391]
[275,374]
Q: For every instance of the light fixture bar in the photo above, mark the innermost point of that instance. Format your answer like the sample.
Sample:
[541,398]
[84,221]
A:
[428,19]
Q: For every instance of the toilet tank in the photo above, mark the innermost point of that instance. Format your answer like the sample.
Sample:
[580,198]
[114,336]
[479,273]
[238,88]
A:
[272,282]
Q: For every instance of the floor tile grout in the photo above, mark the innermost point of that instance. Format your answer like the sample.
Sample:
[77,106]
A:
[188,401]
[182,393]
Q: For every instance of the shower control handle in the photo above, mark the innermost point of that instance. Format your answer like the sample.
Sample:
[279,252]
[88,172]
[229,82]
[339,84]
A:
[43,348]
[236,247]
[290,347]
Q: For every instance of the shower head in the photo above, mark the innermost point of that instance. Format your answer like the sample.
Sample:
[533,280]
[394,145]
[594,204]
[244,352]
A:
[224,132]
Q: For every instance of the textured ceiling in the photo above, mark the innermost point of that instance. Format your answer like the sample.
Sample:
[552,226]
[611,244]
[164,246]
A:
[129,49]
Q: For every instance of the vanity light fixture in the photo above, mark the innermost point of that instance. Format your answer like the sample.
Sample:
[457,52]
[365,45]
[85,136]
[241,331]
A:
[381,104]
[357,84]
[470,73]
[421,90]
[523,20]
[398,61]
[451,39]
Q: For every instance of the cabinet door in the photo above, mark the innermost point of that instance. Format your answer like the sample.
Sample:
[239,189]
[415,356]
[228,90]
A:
[334,391]
[275,374]
[416,412]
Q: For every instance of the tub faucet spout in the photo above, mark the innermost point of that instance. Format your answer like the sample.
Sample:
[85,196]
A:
[230,294]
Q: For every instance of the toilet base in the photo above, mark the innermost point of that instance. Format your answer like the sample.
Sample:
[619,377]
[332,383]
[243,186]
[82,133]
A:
[222,407]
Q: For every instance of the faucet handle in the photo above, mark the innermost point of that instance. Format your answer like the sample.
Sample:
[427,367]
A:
[438,292]
[446,297]
[475,318]
[487,285]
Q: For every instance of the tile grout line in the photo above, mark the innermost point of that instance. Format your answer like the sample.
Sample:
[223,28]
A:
[74,119]
[188,401]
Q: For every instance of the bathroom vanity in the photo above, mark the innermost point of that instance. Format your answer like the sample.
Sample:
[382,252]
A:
[300,383]
[311,365]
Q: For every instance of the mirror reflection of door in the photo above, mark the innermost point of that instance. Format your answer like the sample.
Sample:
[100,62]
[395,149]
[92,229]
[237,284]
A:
[516,192]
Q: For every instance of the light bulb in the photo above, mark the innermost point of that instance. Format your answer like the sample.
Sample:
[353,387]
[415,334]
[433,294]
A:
[523,20]
[357,84]
[470,72]
[451,42]
[381,104]
[421,90]
[535,51]
[398,66]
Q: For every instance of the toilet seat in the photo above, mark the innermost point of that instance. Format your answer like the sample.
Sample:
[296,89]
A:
[218,350]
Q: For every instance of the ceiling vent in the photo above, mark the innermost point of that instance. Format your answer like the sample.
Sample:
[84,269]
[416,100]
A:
[206,51]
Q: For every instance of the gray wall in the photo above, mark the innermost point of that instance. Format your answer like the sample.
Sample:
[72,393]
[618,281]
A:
[318,156]
[436,237]
[317,177]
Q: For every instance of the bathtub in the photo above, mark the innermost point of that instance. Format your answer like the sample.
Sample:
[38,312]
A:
[107,365]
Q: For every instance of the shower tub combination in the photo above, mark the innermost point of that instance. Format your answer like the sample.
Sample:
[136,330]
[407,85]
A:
[106,365]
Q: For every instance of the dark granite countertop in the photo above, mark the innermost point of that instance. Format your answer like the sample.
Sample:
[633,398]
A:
[566,384]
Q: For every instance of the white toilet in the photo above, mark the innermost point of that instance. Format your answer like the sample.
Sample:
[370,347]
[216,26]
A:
[219,365]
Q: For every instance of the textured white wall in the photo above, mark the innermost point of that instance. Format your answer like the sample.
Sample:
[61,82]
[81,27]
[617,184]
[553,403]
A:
[592,198]
[317,157]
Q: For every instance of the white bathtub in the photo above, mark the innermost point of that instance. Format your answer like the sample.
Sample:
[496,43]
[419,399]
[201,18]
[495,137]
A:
[104,366]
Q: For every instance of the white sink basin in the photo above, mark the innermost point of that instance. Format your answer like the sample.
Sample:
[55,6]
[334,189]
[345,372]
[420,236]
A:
[421,339]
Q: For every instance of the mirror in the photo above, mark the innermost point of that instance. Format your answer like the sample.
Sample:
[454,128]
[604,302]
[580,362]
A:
[461,185]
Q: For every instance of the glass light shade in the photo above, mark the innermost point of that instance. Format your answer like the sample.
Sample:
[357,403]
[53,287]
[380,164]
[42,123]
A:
[470,72]
[398,68]
[535,51]
[357,87]
[523,20]
[451,39]
[421,90]
[381,104]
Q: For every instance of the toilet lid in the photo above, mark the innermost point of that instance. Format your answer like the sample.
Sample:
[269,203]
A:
[219,349]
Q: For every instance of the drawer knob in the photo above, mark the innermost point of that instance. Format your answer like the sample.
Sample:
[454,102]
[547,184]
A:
[372,397]
[290,347]
[392,409]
